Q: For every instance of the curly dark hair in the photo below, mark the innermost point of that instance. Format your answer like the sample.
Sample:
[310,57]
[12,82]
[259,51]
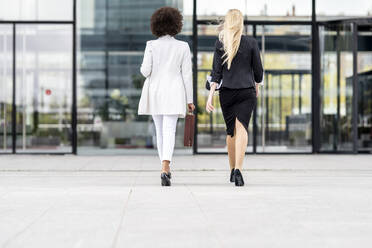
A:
[166,20]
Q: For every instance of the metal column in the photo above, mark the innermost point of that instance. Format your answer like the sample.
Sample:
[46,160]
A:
[14,135]
[355,88]
[315,68]
[74,85]
[195,73]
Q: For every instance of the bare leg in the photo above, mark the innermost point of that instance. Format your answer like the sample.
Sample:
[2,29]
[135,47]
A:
[165,166]
[241,142]
[230,141]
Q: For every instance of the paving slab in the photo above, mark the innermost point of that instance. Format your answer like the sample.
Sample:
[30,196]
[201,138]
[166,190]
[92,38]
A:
[114,201]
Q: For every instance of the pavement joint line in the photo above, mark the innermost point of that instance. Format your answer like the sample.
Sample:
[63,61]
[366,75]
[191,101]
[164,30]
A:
[210,230]
[121,222]
[19,233]
[188,170]
[116,237]
[122,218]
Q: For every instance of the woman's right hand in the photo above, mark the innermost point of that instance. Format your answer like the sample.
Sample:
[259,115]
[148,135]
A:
[209,106]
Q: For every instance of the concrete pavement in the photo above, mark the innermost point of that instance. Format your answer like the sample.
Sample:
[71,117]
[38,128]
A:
[117,201]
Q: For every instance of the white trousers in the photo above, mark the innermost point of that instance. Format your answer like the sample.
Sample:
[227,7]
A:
[165,126]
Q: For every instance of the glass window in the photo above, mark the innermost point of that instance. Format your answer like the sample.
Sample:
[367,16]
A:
[36,10]
[334,9]
[6,87]
[257,10]
[113,35]
[365,89]
[44,88]
[211,129]
[284,104]
[336,87]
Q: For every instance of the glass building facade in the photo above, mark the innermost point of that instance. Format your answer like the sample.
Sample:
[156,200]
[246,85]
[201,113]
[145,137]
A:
[70,80]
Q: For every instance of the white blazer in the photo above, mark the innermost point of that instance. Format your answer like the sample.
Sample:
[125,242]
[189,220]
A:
[168,86]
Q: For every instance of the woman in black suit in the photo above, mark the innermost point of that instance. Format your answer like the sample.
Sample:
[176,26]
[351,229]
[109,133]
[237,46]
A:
[237,71]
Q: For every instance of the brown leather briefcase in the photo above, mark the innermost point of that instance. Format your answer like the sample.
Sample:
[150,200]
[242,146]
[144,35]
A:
[188,138]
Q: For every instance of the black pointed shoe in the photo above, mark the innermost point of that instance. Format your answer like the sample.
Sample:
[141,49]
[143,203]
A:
[165,180]
[239,181]
[232,178]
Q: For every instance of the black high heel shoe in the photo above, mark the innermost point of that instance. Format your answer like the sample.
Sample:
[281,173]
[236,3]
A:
[239,181]
[232,178]
[165,180]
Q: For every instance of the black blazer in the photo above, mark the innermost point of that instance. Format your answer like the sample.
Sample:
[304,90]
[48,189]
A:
[246,67]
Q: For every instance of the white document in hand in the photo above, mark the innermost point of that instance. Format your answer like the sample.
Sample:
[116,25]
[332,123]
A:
[209,78]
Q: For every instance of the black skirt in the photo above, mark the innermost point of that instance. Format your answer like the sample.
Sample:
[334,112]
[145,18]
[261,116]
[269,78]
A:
[237,103]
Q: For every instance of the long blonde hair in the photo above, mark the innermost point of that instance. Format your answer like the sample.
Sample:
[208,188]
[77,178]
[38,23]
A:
[232,29]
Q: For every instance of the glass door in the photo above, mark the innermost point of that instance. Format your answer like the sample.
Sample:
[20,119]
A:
[364,88]
[44,88]
[37,74]
[283,111]
[211,127]
[336,88]
[284,105]
[6,87]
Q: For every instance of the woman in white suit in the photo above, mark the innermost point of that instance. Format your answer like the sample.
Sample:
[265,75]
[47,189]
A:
[168,86]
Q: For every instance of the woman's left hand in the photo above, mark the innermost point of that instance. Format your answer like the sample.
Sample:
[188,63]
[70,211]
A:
[191,107]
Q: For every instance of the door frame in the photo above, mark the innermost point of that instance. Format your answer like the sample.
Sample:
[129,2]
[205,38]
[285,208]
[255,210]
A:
[14,24]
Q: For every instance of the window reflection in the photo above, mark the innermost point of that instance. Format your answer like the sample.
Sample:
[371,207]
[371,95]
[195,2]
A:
[44,88]
[334,9]
[6,87]
[364,91]
[284,106]
[113,36]
[257,10]
[32,10]
[111,40]
[336,87]
[211,127]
